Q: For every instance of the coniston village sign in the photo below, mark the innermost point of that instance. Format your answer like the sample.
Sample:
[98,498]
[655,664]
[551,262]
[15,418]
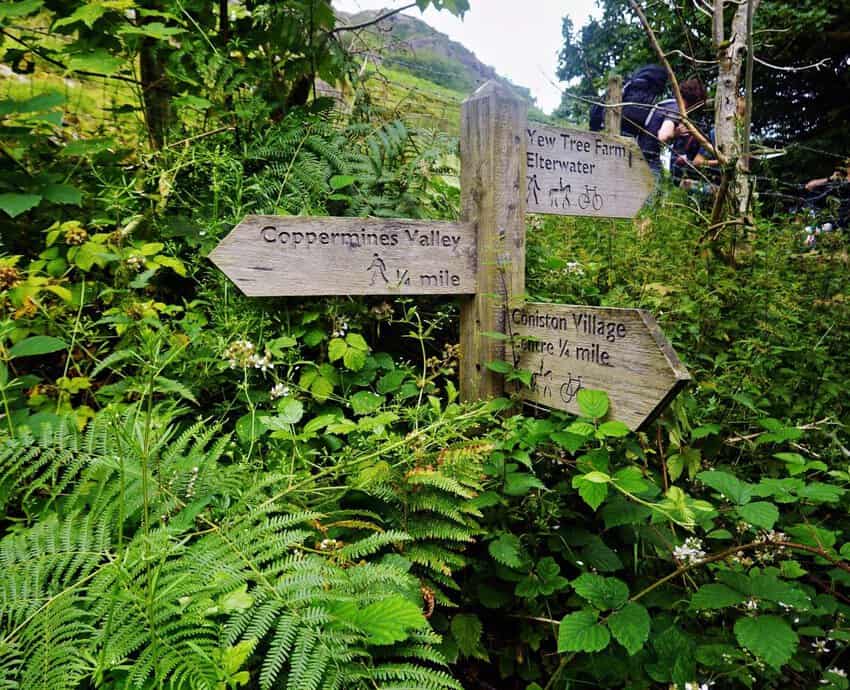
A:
[508,167]
[620,351]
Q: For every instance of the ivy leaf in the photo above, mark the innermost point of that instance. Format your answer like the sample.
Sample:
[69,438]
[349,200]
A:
[14,204]
[761,514]
[467,629]
[388,621]
[506,550]
[630,626]
[603,592]
[715,596]
[580,632]
[770,638]
[592,403]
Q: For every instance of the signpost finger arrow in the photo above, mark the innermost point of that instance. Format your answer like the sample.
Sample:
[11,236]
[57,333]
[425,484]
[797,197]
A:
[620,351]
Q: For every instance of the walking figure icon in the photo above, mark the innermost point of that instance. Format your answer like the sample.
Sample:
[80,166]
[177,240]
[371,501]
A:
[378,268]
[533,188]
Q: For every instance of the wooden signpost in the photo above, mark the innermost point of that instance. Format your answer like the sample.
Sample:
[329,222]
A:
[508,167]
[274,256]
[575,173]
[620,351]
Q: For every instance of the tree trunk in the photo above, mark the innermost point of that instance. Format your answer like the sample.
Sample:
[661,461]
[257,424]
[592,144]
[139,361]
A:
[730,107]
[156,94]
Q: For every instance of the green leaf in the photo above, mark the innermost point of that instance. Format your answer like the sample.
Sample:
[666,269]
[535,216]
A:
[614,429]
[341,181]
[99,60]
[520,483]
[730,486]
[156,30]
[592,403]
[365,402]
[592,494]
[761,514]
[354,360]
[14,204]
[569,441]
[88,14]
[336,349]
[166,385]
[388,620]
[500,367]
[19,8]
[769,638]
[506,550]
[391,381]
[321,388]
[62,194]
[603,592]
[630,626]
[467,630]
[357,341]
[290,411]
[580,632]
[715,596]
[37,345]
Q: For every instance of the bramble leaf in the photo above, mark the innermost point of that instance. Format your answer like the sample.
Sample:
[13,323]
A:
[581,632]
[630,626]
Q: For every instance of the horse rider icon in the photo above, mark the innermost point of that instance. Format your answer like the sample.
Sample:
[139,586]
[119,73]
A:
[378,267]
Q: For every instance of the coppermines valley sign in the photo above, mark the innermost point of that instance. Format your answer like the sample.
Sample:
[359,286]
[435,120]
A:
[565,172]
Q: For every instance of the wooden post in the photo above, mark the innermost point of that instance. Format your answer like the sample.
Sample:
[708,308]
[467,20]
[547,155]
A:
[493,193]
[614,116]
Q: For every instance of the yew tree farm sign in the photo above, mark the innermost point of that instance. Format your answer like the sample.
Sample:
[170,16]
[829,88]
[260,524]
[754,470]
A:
[619,351]
[508,167]
[275,256]
[574,173]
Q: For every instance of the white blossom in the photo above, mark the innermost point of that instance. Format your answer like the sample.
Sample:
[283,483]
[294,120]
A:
[279,390]
[820,646]
[690,552]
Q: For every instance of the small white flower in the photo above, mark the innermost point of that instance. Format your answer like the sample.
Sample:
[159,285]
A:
[751,604]
[690,552]
[279,390]
[837,671]
[820,646]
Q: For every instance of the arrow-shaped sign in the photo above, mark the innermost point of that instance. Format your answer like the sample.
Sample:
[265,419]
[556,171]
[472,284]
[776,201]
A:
[570,172]
[620,351]
[274,256]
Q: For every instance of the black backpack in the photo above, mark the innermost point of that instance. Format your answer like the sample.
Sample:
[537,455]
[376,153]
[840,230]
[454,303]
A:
[643,89]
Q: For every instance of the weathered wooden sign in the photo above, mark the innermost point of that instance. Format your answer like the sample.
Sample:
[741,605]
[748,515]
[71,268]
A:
[269,256]
[620,351]
[508,166]
[570,172]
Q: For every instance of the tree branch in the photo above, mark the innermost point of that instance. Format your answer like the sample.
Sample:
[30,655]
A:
[674,82]
[372,22]
[57,63]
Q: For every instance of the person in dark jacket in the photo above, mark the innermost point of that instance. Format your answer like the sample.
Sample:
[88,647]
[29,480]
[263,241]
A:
[656,125]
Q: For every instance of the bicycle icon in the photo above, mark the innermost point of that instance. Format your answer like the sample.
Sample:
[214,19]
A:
[570,388]
[590,198]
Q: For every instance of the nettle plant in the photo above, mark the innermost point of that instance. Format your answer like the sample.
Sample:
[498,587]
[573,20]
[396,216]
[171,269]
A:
[636,574]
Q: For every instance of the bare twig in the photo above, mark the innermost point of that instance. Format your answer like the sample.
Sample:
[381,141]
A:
[674,82]
[372,22]
[816,65]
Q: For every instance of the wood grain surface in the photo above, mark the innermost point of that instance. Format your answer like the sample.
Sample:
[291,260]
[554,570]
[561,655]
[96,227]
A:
[273,256]
[619,351]
[492,183]
[575,173]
